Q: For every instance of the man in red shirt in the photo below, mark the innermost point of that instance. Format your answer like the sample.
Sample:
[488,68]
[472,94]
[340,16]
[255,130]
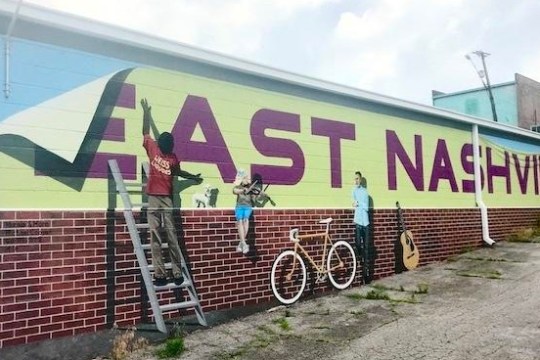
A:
[163,167]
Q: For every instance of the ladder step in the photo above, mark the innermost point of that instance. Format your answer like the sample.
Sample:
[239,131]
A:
[168,266]
[149,246]
[181,305]
[134,184]
[141,205]
[142,226]
[172,285]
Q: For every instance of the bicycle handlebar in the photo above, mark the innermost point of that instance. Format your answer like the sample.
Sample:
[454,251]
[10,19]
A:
[293,235]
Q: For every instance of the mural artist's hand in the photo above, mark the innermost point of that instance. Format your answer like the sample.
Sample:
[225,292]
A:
[145,106]
[197,178]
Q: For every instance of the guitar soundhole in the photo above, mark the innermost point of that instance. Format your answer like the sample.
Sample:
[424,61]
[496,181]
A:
[410,243]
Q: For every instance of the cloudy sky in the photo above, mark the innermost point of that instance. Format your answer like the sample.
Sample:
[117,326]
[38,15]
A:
[399,48]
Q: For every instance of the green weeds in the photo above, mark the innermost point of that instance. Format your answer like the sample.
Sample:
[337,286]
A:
[173,348]
[480,273]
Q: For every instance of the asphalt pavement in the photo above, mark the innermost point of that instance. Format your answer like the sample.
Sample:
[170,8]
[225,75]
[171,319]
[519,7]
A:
[483,304]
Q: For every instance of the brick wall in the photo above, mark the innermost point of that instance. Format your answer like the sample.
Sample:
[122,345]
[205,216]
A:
[65,273]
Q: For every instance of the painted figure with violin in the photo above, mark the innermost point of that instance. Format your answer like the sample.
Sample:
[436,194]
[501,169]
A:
[247,192]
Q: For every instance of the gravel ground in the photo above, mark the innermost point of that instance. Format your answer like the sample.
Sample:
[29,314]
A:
[481,305]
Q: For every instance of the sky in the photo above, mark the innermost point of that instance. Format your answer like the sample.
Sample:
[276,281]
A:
[398,48]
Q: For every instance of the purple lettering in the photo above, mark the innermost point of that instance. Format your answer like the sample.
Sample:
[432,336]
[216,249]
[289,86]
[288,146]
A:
[536,166]
[523,177]
[468,167]
[498,170]
[442,168]
[335,131]
[277,147]
[115,130]
[396,150]
[196,110]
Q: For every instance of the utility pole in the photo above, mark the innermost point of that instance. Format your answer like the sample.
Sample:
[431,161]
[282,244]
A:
[482,74]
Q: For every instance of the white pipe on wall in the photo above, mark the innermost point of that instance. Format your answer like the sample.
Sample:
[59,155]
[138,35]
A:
[478,187]
[7,87]
[7,51]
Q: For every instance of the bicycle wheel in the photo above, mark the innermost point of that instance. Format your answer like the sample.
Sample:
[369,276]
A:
[341,265]
[288,289]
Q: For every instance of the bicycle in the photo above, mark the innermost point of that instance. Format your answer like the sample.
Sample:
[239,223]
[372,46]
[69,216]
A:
[288,276]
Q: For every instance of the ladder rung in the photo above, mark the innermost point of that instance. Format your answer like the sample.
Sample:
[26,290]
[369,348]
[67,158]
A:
[168,266]
[142,226]
[181,305]
[134,184]
[172,285]
[145,204]
[149,246]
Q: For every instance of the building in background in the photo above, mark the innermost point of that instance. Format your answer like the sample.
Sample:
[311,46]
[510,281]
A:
[517,103]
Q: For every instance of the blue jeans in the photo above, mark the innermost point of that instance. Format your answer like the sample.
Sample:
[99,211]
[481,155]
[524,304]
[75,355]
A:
[363,246]
[158,206]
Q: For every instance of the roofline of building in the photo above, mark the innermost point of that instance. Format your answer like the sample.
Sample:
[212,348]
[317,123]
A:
[462,92]
[84,26]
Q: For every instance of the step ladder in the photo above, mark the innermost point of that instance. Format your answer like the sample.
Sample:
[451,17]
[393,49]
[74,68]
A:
[141,249]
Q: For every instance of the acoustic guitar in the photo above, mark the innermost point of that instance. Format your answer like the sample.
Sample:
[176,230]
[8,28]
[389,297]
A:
[411,256]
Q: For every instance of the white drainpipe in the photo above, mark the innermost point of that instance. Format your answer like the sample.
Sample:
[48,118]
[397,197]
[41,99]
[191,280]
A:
[478,187]
[7,88]
[7,52]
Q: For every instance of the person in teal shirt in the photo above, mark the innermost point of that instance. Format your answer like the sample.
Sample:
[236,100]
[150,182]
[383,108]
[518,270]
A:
[361,221]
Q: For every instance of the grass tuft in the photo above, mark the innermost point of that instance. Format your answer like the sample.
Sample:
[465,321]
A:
[486,274]
[283,323]
[173,348]
[377,294]
[421,288]
[355,296]
[358,312]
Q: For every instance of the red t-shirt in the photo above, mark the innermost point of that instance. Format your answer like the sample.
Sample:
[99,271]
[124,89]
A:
[161,169]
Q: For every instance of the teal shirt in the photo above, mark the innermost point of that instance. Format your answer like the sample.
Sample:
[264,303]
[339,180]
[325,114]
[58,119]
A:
[361,212]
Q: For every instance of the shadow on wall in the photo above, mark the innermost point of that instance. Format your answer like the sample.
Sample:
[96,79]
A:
[373,249]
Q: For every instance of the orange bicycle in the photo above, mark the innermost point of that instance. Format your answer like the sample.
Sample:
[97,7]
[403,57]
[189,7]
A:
[289,275]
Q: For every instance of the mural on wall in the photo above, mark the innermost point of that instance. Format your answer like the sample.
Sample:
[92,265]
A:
[512,166]
[54,149]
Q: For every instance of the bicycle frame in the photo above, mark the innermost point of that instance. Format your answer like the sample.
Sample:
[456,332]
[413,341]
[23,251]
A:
[289,271]
[327,243]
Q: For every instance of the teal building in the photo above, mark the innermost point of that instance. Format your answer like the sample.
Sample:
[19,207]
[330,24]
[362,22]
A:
[516,102]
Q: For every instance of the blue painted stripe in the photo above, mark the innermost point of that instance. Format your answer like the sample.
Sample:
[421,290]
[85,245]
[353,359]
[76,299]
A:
[513,145]
[39,72]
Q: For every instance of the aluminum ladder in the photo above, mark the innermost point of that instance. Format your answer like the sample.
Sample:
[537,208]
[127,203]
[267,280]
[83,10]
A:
[141,249]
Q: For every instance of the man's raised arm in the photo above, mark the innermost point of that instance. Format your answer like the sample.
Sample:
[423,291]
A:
[147,116]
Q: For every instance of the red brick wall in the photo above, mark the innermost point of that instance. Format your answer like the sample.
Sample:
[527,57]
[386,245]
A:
[65,273]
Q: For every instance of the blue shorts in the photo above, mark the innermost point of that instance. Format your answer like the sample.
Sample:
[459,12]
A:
[243,212]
